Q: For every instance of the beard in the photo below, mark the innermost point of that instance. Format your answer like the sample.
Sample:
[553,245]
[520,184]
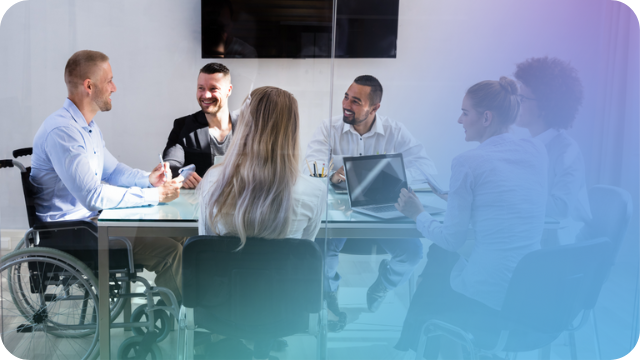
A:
[102,100]
[212,109]
[355,120]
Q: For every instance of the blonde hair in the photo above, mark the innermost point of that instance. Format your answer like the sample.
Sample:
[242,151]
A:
[253,195]
[499,97]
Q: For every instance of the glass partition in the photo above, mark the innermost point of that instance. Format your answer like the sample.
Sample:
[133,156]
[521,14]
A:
[509,187]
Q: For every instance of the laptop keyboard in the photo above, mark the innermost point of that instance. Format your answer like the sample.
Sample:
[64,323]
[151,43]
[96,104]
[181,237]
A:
[380,208]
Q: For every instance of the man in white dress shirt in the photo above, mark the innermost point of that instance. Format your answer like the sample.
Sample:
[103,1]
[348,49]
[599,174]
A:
[362,131]
[550,96]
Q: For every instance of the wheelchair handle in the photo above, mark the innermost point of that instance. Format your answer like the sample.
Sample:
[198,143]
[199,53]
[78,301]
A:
[22,152]
[7,163]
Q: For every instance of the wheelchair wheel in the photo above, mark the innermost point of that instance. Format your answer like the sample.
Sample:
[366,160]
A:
[130,347]
[20,245]
[116,304]
[161,322]
[49,305]
[22,295]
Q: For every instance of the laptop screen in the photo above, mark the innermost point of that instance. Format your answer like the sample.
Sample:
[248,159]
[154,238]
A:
[375,179]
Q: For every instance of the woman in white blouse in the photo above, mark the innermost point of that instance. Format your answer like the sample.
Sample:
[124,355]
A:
[497,191]
[258,190]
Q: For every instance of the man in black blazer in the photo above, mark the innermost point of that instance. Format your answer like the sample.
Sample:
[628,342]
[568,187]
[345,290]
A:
[200,137]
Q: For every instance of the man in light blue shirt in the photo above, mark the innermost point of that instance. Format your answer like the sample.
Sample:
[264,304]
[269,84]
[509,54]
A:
[74,175]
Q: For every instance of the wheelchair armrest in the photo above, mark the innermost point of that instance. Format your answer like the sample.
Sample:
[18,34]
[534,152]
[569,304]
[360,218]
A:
[66,224]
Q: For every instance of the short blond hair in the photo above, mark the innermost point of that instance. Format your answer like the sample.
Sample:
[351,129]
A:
[81,66]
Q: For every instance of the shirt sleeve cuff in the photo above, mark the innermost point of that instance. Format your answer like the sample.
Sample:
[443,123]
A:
[423,218]
[151,196]
[143,180]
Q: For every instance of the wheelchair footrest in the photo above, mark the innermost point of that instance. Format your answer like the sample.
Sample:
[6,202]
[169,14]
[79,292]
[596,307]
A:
[25,328]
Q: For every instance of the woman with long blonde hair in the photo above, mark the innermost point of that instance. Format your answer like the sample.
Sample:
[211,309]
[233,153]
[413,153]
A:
[258,190]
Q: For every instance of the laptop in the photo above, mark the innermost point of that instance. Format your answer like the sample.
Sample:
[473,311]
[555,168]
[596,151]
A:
[374,183]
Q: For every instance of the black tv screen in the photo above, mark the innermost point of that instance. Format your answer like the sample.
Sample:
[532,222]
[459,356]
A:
[298,28]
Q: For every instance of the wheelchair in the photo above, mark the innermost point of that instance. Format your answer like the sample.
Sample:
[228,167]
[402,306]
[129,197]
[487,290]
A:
[49,290]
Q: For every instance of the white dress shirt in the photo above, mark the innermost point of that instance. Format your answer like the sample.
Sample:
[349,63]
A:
[386,136]
[69,164]
[567,188]
[499,188]
[309,203]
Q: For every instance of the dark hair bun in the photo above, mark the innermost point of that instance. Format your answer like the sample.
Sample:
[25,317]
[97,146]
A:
[509,85]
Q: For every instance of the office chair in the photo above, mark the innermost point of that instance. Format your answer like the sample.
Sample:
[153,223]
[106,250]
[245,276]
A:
[611,210]
[267,290]
[51,283]
[545,295]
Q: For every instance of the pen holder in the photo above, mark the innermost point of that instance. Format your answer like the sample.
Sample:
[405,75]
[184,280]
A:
[318,176]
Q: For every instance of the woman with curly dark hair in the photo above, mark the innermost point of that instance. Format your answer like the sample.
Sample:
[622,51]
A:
[550,96]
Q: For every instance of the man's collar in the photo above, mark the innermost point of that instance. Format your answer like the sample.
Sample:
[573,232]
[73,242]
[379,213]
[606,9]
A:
[75,113]
[546,136]
[376,128]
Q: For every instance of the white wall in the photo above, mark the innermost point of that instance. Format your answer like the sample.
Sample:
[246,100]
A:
[443,48]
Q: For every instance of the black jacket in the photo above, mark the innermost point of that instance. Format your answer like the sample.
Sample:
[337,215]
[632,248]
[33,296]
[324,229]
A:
[190,143]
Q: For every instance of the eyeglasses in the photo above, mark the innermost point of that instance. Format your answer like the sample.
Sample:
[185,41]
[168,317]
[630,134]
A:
[522,97]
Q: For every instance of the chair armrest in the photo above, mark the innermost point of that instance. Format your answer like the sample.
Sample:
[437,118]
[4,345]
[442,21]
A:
[65,225]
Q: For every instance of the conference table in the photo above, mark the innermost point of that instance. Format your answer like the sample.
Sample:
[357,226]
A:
[179,218]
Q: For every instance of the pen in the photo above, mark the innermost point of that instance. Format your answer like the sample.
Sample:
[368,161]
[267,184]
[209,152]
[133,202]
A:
[314,170]
[322,173]
[166,175]
[310,172]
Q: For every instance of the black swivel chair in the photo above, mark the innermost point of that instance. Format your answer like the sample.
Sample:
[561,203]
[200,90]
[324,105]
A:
[611,210]
[545,295]
[267,290]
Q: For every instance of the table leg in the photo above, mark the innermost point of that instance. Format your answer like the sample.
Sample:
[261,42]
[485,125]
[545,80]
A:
[103,292]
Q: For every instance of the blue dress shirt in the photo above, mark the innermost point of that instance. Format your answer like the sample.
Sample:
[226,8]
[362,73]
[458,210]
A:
[75,176]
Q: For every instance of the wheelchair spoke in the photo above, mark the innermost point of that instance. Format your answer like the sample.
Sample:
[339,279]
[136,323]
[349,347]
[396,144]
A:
[44,314]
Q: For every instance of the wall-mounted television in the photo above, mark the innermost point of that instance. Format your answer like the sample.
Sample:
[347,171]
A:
[298,28]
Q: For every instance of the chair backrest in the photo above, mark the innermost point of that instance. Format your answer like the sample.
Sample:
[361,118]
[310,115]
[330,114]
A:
[611,210]
[27,187]
[548,287]
[267,289]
